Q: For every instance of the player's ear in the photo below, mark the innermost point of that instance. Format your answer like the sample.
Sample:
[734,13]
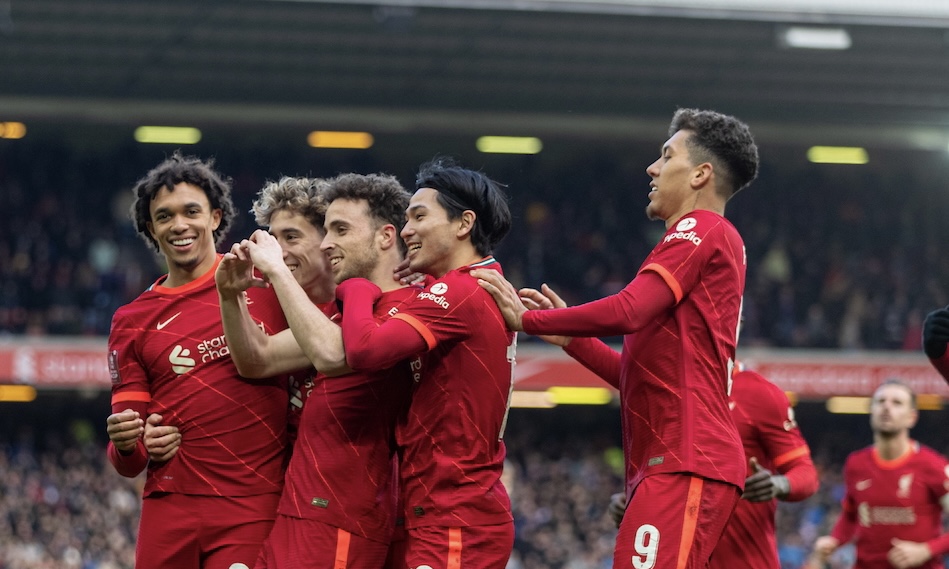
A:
[388,236]
[216,216]
[468,218]
[702,175]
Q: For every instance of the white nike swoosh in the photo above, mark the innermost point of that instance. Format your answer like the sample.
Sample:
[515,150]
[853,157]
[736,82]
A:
[161,325]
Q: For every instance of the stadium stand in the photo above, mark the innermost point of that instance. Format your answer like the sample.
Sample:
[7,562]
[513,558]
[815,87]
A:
[828,268]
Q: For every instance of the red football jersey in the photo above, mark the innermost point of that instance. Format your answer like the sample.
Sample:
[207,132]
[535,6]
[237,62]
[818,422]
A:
[765,421]
[301,385]
[888,499]
[453,454]
[167,348]
[341,471]
[674,369]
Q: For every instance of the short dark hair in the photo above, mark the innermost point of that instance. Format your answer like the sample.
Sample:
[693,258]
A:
[461,189]
[898,383]
[297,195]
[724,141]
[385,195]
[176,170]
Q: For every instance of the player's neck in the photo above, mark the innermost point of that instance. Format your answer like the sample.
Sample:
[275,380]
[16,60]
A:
[706,205]
[462,255]
[382,273]
[322,292]
[890,447]
[180,275]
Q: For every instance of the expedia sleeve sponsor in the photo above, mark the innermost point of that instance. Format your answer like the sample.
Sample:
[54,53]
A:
[437,299]
[685,235]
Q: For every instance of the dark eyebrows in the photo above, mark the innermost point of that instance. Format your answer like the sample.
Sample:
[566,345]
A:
[335,223]
[189,205]
[284,231]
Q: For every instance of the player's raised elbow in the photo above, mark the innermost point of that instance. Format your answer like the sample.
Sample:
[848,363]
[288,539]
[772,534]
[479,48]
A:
[328,359]
[252,369]
[362,359]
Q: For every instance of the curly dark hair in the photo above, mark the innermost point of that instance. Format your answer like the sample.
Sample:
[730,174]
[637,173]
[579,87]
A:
[724,141]
[386,196]
[176,170]
[298,195]
[461,189]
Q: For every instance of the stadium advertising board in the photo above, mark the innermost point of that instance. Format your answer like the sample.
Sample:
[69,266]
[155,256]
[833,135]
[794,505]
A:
[83,363]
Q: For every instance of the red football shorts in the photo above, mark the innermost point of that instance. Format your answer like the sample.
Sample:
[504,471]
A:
[297,543]
[202,532]
[395,559]
[473,547]
[673,521]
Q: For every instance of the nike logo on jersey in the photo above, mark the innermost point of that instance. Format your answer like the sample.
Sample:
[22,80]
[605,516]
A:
[161,325]
[863,484]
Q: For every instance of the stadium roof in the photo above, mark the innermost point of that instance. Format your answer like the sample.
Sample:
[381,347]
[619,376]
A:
[609,68]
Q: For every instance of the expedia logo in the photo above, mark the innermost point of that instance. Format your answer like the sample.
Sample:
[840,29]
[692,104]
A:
[688,236]
[437,299]
[686,224]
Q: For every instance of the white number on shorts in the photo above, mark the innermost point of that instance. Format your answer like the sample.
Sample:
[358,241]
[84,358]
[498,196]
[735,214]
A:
[646,545]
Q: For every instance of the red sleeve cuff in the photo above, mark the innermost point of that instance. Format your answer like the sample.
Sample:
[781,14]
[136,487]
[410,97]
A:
[802,477]
[845,527]
[940,545]
[131,465]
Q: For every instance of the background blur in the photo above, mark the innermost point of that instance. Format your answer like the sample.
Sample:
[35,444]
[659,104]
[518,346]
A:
[844,259]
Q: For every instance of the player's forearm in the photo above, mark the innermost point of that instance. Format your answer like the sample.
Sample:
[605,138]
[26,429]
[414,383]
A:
[128,465]
[247,343]
[802,478]
[629,310]
[371,346]
[320,339]
[597,357]
[845,528]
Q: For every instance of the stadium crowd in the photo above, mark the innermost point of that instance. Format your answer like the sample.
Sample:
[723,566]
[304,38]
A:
[62,506]
[829,268]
